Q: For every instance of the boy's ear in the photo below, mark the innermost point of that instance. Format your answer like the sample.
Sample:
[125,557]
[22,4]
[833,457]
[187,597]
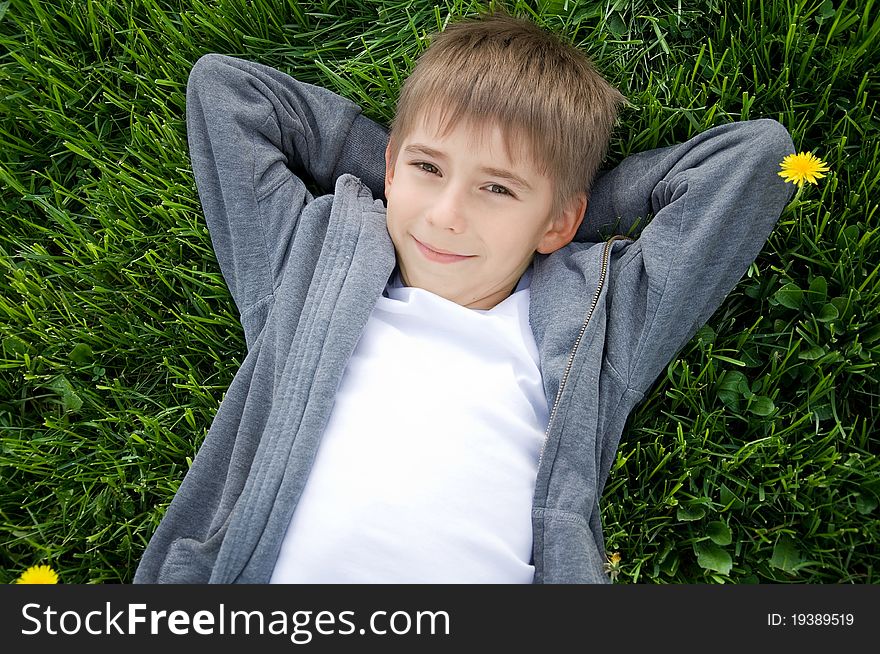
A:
[389,168]
[565,226]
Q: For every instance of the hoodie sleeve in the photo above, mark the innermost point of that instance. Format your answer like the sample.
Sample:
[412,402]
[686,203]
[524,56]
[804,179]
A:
[715,200]
[256,136]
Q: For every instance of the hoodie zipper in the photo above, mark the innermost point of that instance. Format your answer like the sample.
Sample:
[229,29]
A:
[578,342]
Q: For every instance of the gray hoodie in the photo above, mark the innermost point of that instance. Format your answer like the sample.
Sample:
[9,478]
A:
[608,314]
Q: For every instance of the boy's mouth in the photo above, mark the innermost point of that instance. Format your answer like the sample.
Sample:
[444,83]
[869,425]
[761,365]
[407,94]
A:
[438,255]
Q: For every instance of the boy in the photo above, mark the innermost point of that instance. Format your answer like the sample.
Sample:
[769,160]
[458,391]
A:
[434,391]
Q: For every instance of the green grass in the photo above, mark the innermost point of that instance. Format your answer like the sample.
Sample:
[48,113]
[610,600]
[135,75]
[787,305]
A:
[754,458]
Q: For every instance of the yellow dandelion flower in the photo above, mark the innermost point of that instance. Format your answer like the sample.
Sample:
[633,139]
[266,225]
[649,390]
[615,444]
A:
[803,167]
[612,565]
[38,574]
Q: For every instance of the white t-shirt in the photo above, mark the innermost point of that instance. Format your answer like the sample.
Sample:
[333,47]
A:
[427,467]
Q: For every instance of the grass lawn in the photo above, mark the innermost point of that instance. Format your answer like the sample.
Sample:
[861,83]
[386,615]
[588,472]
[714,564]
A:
[753,459]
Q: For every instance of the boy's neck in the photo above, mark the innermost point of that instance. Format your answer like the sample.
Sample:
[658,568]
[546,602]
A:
[398,281]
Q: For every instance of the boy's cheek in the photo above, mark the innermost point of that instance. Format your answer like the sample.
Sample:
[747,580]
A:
[396,235]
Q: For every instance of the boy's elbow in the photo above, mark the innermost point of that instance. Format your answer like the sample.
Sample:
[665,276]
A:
[771,138]
[204,72]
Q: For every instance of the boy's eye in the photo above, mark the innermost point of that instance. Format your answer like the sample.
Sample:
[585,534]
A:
[419,165]
[503,190]
[495,189]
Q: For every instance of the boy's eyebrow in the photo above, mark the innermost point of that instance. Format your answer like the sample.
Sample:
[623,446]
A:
[419,148]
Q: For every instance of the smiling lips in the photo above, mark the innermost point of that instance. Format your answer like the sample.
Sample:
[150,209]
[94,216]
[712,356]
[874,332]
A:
[439,256]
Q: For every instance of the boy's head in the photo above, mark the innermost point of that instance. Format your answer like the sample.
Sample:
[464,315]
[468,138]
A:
[498,134]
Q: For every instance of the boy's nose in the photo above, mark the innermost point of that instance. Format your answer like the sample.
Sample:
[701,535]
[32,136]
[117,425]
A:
[448,210]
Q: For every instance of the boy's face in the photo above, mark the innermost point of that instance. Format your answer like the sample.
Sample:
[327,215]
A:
[461,228]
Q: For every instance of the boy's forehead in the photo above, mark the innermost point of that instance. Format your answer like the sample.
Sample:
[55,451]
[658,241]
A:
[482,136]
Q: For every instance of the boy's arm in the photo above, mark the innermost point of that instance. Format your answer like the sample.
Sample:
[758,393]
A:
[601,220]
[363,155]
[253,132]
[715,200]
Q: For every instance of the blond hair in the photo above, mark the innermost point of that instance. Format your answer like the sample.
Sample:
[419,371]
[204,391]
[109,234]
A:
[505,71]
